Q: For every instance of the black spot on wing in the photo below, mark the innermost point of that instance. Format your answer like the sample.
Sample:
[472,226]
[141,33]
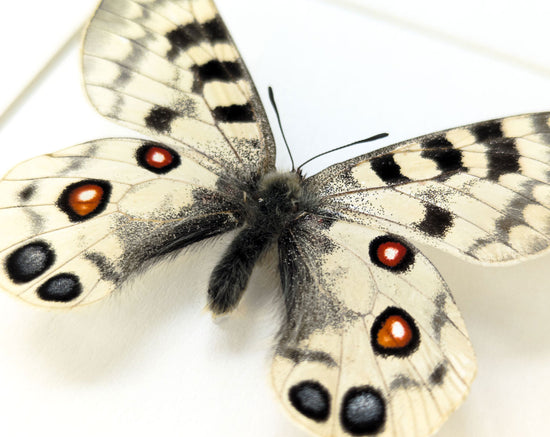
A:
[215,30]
[183,37]
[437,376]
[437,221]
[441,151]
[215,70]
[159,119]
[487,130]
[64,287]
[388,170]
[363,411]
[234,113]
[194,33]
[29,262]
[27,193]
[503,157]
[311,399]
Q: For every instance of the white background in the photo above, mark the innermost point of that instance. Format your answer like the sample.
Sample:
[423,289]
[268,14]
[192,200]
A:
[149,360]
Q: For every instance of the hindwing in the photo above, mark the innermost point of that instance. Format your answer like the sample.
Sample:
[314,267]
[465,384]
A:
[374,343]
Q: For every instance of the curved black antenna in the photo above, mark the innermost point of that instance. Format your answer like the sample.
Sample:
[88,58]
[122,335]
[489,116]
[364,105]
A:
[272,98]
[366,140]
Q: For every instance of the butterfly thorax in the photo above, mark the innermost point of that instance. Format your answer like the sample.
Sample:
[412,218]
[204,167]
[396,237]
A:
[278,200]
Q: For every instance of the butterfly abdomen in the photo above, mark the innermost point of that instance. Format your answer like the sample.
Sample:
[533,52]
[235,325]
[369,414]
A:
[279,200]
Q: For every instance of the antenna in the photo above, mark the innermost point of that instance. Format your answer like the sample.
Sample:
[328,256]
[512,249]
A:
[272,98]
[366,140]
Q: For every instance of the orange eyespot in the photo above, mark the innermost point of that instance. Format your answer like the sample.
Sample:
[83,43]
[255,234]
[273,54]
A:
[391,253]
[395,333]
[85,199]
[158,157]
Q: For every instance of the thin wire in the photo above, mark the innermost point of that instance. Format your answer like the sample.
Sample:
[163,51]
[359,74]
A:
[366,140]
[272,98]
[38,78]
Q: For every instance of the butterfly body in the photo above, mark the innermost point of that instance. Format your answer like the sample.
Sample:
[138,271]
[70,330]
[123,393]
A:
[269,207]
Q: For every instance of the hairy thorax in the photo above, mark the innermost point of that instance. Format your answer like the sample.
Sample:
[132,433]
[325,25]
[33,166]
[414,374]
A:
[276,202]
[279,200]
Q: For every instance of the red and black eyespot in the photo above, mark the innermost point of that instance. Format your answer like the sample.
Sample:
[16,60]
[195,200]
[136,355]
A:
[311,399]
[394,332]
[157,158]
[391,253]
[85,199]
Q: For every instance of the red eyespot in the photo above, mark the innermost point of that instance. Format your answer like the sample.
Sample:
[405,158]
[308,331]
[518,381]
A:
[85,199]
[394,332]
[391,253]
[157,158]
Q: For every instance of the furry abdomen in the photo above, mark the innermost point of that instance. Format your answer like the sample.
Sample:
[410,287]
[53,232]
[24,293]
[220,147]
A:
[277,202]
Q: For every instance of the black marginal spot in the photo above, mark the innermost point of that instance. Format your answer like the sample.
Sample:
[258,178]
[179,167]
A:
[380,324]
[503,157]
[388,170]
[26,193]
[487,130]
[29,262]
[60,288]
[216,70]
[183,37]
[219,70]
[437,376]
[215,30]
[311,399]
[447,160]
[66,203]
[159,119]
[437,142]
[437,221]
[234,113]
[440,150]
[363,411]
[406,261]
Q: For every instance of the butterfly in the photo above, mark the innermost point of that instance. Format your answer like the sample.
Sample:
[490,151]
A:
[372,342]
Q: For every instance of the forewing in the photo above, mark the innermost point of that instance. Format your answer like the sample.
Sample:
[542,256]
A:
[169,69]
[78,223]
[373,343]
[480,191]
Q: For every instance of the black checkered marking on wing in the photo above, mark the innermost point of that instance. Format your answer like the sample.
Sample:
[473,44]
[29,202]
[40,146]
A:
[183,37]
[440,150]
